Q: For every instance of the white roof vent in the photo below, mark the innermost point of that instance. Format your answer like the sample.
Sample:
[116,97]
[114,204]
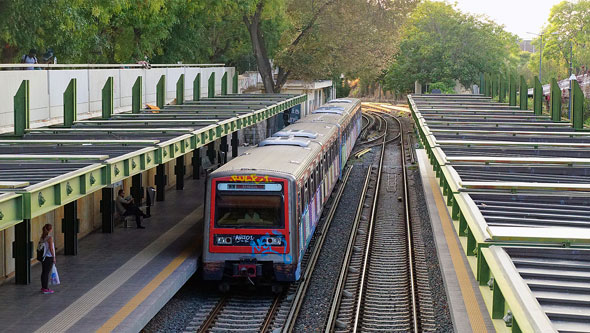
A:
[340,100]
[296,133]
[329,109]
[284,141]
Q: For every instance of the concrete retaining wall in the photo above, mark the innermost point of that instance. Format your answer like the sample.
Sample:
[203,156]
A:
[47,88]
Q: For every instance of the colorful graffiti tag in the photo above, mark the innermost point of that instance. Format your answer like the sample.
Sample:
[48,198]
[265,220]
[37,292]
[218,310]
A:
[262,248]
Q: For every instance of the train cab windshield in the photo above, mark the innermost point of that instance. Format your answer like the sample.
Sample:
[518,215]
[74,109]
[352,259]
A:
[249,206]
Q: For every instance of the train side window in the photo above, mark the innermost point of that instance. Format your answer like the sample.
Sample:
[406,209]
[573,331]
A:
[299,203]
[306,193]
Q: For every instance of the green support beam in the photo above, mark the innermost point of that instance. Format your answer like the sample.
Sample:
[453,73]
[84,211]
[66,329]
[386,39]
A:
[488,85]
[224,84]
[234,87]
[577,105]
[555,101]
[180,90]
[136,95]
[537,96]
[512,92]
[70,104]
[211,86]
[21,109]
[197,88]
[523,94]
[161,92]
[107,99]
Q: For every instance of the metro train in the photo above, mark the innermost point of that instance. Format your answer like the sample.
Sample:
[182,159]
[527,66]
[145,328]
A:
[263,206]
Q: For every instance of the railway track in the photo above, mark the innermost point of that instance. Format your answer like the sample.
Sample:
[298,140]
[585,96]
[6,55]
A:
[380,288]
[267,313]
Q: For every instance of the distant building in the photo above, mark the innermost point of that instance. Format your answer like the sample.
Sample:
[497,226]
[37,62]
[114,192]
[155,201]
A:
[527,45]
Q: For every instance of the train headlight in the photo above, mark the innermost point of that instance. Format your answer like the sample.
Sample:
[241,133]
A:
[223,240]
[273,240]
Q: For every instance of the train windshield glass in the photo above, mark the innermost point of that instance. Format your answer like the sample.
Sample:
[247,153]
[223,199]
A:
[249,210]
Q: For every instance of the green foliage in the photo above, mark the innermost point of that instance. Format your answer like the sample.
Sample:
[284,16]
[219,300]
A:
[568,26]
[445,87]
[439,43]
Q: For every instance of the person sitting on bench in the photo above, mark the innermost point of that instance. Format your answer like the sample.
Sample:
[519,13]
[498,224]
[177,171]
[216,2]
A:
[128,208]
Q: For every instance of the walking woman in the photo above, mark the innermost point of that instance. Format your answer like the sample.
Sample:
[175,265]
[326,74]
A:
[48,258]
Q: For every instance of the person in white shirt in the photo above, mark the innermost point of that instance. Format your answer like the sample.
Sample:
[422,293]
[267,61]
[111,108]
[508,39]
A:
[30,58]
[48,258]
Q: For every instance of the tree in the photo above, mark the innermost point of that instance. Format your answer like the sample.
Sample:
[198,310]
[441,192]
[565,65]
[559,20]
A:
[323,37]
[441,44]
[569,27]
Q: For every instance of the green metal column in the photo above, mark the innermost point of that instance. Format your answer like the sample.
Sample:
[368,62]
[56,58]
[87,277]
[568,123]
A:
[180,90]
[160,181]
[211,87]
[482,83]
[70,104]
[537,96]
[555,101]
[22,247]
[494,87]
[107,99]
[161,92]
[180,171]
[224,84]
[70,226]
[137,95]
[107,209]
[512,92]
[523,94]
[197,88]
[21,109]
[501,89]
[235,83]
[196,163]
[577,106]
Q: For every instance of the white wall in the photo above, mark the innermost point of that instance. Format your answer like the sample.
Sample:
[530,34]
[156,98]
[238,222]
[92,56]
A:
[47,88]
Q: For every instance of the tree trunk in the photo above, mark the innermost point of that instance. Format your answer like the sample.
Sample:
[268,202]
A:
[264,68]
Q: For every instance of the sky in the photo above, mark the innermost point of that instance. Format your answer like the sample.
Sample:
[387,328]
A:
[518,16]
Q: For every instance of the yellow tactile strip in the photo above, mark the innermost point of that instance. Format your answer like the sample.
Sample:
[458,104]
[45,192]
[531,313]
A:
[473,310]
[87,302]
[126,310]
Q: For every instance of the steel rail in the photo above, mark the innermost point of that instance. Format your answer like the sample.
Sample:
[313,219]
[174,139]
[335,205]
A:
[306,278]
[357,313]
[335,307]
[213,315]
[413,282]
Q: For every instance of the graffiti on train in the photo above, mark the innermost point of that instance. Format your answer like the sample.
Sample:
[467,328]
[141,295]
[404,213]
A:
[250,178]
[262,246]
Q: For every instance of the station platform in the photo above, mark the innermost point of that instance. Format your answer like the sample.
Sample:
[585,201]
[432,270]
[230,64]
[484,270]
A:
[466,305]
[118,281]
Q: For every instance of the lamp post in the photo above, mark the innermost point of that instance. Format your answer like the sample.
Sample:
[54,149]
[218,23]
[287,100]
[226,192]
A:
[541,50]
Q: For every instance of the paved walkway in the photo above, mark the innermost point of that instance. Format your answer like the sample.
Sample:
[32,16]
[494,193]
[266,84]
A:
[467,307]
[118,281]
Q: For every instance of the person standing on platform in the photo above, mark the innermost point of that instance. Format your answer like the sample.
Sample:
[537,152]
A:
[30,58]
[48,258]
[127,207]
